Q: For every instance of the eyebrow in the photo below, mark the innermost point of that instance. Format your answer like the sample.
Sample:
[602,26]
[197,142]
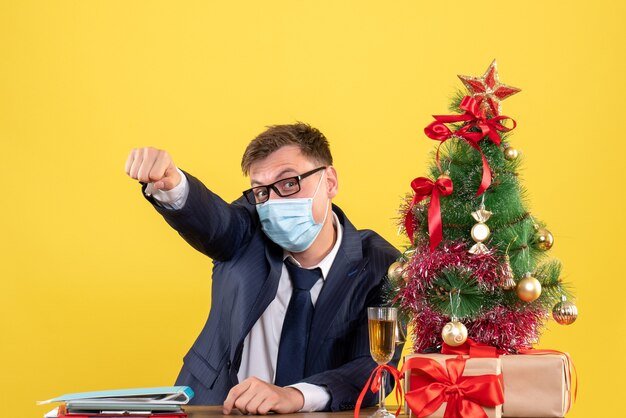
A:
[280,176]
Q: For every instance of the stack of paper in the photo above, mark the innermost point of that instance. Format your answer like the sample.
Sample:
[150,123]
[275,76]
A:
[159,402]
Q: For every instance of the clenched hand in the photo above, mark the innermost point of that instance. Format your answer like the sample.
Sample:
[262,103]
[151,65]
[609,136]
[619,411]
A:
[151,165]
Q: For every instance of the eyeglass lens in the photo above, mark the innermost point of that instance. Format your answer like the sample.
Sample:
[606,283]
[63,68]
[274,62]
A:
[284,188]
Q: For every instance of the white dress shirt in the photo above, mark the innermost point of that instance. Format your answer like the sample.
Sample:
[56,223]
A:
[260,348]
[171,199]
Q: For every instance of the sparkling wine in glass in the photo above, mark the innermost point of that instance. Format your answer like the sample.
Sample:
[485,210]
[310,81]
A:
[382,323]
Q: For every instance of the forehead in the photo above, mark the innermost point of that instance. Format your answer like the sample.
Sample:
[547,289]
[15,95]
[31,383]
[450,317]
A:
[284,162]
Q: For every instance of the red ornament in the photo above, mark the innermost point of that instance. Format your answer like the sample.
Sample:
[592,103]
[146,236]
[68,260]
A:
[488,90]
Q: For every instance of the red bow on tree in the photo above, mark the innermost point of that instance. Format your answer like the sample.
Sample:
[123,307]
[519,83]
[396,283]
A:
[474,118]
[431,385]
[424,188]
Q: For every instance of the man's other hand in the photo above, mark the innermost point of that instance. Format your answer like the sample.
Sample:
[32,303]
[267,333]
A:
[254,396]
[151,165]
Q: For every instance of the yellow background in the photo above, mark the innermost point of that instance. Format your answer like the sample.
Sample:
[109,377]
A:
[98,292]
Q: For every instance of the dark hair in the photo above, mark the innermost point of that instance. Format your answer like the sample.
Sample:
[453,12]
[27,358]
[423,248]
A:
[311,141]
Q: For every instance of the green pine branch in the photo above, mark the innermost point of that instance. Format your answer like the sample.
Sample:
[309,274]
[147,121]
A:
[454,286]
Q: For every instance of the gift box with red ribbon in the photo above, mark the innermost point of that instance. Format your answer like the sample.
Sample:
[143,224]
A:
[536,383]
[453,386]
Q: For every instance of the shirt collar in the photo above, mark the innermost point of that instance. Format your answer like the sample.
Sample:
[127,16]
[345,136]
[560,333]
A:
[327,261]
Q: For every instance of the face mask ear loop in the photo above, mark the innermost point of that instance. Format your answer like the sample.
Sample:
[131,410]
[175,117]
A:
[326,213]
[318,184]
[327,202]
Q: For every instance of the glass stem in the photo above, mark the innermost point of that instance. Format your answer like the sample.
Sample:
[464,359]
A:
[381,391]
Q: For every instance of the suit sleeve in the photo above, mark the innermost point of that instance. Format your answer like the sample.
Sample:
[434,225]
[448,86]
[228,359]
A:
[346,382]
[209,224]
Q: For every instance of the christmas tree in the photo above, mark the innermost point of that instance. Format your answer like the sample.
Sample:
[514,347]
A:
[477,265]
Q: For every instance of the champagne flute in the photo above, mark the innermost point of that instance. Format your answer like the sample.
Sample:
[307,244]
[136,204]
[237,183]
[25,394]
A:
[382,322]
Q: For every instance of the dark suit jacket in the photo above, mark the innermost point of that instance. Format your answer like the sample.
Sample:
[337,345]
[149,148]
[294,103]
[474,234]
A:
[246,271]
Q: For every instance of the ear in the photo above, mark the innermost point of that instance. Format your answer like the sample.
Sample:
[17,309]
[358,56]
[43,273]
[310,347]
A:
[332,182]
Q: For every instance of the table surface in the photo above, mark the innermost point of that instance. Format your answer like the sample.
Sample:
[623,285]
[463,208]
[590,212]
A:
[216,411]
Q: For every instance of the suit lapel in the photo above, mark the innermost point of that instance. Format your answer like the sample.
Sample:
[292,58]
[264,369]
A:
[346,266]
[258,297]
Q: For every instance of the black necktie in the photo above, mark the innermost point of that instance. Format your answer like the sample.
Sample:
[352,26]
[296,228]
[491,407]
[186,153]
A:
[294,337]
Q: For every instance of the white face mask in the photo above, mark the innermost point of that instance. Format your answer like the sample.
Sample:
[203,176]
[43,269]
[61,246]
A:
[290,223]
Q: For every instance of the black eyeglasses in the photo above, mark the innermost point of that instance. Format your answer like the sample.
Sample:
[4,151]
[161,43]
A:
[283,188]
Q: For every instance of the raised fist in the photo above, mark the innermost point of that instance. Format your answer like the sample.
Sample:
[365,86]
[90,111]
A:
[151,165]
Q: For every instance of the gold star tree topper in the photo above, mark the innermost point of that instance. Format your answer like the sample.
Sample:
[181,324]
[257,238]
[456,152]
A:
[488,90]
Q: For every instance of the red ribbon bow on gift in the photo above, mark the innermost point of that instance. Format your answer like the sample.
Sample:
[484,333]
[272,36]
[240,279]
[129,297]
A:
[477,350]
[424,188]
[373,384]
[474,118]
[432,385]
[472,349]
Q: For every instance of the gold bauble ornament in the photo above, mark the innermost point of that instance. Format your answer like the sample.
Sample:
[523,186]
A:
[444,176]
[543,239]
[454,333]
[395,270]
[565,312]
[405,276]
[510,153]
[528,288]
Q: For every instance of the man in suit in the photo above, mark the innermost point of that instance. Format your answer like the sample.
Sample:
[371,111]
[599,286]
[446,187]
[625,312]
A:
[292,277]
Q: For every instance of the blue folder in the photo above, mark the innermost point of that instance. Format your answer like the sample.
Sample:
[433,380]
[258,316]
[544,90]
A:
[165,398]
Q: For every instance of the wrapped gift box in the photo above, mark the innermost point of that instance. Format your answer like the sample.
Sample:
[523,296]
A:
[473,367]
[536,385]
